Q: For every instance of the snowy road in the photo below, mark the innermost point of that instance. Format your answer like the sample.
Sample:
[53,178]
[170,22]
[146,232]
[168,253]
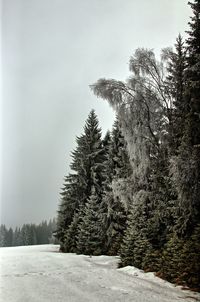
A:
[41,274]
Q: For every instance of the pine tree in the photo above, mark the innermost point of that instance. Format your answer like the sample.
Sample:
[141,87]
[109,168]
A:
[68,204]
[74,192]
[70,239]
[115,223]
[87,167]
[186,165]
[136,241]
[175,84]
[118,153]
[117,170]
[90,235]
[3,234]
[26,234]
[94,155]
[16,237]
[192,91]
[193,70]
[9,237]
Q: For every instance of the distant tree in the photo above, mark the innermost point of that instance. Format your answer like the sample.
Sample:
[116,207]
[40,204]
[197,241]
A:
[25,235]
[17,238]
[3,235]
[28,234]
[43,233]
[9,237]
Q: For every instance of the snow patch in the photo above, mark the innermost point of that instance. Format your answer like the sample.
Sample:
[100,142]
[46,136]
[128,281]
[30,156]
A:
[131,270]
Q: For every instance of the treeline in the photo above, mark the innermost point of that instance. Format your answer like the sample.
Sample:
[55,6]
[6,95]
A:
[136,192]
[28,234]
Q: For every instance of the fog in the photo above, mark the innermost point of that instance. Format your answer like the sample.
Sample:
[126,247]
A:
[51,52]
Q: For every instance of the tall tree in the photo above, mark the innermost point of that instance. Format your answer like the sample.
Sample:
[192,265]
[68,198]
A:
[192,91]
[186,165]
[144,105]
[87,167]
[175,83]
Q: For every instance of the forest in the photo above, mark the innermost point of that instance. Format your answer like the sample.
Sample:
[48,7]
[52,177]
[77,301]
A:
[136,191]
[28,234]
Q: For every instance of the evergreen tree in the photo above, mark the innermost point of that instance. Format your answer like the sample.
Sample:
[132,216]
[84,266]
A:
[16,237]
[115,223]
[3,234]
[6,236]
[136,242]
[73,193]
[88,167]
[186,165]
[70,239]
[175,84]
[117,170]
[90,235]
[94,155]
[29,234]
[9,237]
[118,153]
[181,260]
[193,72]
[68,204]
[26,234]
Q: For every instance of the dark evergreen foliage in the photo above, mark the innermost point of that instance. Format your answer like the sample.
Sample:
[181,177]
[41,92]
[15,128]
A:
[186,165]
[28,234]
[91,229]
[117,168]
[88,172]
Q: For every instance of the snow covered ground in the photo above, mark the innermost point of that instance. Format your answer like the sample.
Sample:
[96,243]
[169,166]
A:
[41,273]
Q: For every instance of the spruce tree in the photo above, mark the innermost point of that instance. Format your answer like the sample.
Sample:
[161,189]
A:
[16,237]
[68,204]
[94,155]
[74,192]
[192,91]
[3,235]
[117,171]
[87,172]
[186,165]
[70,237]
[91,235]
[175,84]
[26,235]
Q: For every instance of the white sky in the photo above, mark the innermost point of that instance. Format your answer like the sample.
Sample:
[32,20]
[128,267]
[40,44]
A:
[52,50]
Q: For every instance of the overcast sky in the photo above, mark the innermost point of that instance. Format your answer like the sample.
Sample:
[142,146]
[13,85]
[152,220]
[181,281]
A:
[52,50]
